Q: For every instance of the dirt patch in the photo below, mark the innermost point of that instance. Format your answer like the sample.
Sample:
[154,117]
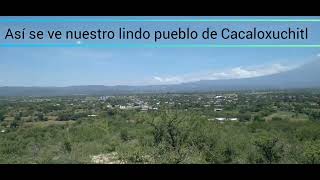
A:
[110,158]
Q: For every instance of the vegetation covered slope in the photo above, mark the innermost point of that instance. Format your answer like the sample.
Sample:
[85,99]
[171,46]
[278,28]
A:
[270,127]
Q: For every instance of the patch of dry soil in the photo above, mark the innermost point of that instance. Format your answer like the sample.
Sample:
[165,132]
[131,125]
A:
[110,158]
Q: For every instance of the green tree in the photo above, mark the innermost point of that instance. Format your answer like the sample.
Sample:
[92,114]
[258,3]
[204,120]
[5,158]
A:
[311,152]
[124,135]
[14,124]
[170,133]
[269,148]
[67,146]
[1,116]
[41,117]
[244,117]
[276,118]
[258,118]
[18,116]
[308,132]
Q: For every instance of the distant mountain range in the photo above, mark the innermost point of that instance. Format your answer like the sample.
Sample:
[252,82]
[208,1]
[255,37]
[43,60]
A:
[306,76]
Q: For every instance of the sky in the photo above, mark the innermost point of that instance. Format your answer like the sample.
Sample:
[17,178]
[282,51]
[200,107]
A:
[69,66]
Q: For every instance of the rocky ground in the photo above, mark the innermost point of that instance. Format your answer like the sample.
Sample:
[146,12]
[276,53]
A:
[110,158]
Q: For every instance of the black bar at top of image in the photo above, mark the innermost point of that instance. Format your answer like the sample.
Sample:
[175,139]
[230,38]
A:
[159,8]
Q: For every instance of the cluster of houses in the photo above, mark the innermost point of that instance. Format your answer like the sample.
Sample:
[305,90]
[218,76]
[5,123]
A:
[215,101]
[103,98]
[135,104]
[142,107]
[145,103]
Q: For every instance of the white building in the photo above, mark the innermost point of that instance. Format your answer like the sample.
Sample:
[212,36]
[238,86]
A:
[233,119]
[92,115]
[220,119]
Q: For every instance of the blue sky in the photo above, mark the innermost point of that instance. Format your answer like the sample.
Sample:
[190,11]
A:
[61,66]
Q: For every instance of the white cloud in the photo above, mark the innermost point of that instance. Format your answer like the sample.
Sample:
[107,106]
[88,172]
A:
[247,72]
[232,73]
[168,79]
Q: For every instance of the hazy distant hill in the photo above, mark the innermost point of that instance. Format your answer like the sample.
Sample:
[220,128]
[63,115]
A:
[306,76]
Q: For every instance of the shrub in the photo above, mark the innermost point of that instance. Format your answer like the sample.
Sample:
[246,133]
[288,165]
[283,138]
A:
[269,147]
